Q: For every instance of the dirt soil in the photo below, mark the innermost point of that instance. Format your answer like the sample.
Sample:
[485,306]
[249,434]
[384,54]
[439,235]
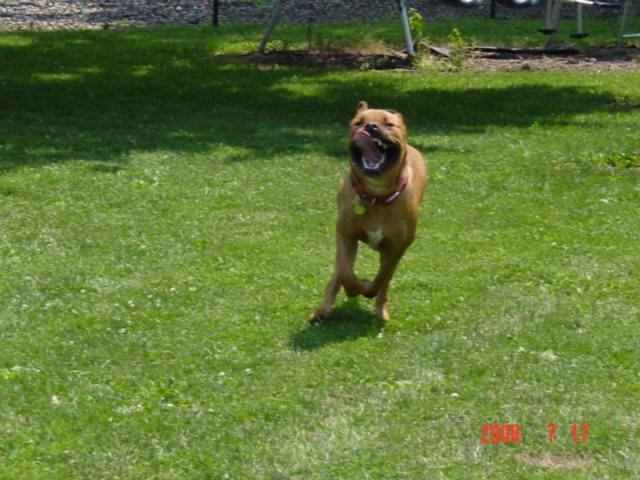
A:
[592,59]
[483,59]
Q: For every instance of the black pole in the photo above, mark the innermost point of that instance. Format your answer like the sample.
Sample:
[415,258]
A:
[216,7]
[493,8]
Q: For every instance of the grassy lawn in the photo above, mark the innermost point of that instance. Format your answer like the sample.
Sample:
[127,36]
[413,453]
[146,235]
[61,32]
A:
[166,227]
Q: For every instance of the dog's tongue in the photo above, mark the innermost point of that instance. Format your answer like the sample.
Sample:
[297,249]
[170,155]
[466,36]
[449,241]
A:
[371,157]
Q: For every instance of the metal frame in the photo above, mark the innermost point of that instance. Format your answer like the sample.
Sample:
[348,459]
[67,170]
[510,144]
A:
[623,22]
[553,15]
[277,12]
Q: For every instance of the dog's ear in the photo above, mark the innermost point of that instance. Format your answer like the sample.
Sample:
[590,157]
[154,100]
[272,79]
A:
[362,105]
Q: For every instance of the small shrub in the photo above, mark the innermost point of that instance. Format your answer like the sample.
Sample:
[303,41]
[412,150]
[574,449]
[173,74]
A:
[276,46]
[416,25]
[460,50]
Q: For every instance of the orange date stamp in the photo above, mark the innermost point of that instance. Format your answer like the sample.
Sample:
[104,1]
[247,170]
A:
[512,433]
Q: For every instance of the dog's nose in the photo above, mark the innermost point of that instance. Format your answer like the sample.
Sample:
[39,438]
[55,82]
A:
[372,127]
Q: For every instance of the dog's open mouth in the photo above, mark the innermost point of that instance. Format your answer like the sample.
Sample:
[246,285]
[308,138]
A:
[370,151]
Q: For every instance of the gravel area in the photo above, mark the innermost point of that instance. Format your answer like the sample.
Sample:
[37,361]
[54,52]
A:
[102,14]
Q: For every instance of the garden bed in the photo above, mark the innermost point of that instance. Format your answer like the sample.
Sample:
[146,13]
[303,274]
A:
[480,59]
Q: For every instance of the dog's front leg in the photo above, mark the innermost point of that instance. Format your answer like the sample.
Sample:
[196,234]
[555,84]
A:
[322,312]
[343,275]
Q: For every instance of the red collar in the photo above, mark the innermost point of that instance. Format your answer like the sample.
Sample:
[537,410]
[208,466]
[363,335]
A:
[386,200]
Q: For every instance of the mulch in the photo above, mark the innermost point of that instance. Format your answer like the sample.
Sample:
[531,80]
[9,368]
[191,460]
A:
[480,59]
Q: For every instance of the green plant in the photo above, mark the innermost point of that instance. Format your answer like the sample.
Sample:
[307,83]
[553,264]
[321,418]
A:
[451,58]
[416,25]
[277,46]
[460,50]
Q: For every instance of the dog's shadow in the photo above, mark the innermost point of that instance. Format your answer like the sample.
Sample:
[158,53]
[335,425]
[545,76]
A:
[347,322]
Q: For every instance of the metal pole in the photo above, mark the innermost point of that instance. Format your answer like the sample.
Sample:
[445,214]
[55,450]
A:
[623,22]
[272,24]
[579,18]
[404,17]
[553,14]
[216,9]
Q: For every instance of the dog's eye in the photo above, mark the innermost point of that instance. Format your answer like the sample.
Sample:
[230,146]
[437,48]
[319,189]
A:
[359,123]
[389,124]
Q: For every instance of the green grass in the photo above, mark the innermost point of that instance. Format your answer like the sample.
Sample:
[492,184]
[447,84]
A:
[513,32]
[166,227]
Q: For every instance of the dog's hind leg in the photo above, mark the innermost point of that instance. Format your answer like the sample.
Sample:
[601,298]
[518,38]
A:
[382,303]
[379,288]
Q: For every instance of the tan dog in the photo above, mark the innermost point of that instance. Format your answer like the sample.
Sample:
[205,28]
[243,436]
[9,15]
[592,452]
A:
[378,202]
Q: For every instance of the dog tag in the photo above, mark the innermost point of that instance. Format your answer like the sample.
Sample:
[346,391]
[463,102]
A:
[358,207]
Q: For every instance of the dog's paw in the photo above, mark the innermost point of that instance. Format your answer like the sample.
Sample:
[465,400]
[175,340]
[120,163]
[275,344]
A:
[318,318]
[352,290]
[383,313]
[382,309]
[367,289]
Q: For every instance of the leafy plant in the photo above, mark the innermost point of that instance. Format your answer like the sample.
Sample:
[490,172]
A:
[451,58]
[277,46]
[460,50]
[416,25]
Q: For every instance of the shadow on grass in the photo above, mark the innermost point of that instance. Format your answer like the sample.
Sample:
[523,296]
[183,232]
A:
[348,322]
[98,96]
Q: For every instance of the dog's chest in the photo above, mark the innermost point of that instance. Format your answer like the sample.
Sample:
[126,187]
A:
[374,237]
[383,233]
